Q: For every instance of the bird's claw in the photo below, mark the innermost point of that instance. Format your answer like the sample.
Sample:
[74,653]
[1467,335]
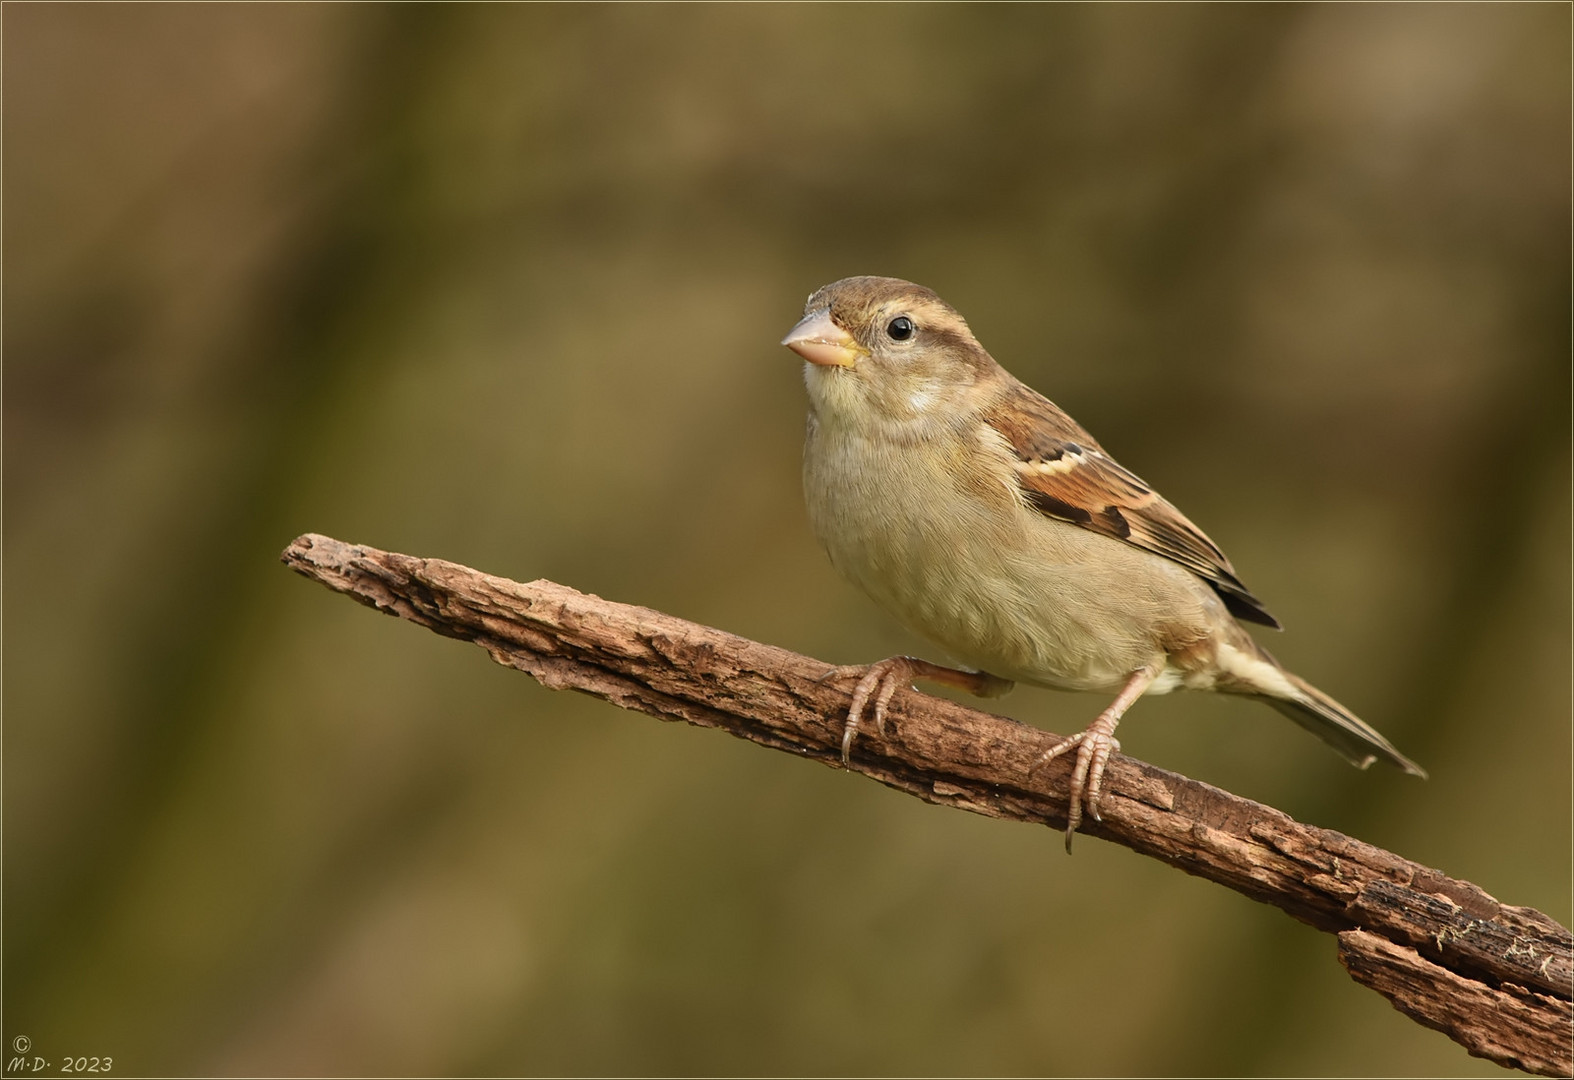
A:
[880,681]
[1094,747]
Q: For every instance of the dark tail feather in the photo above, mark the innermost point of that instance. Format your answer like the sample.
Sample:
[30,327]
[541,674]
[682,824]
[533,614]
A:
[1359,743]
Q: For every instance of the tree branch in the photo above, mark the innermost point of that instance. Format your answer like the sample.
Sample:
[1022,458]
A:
[1493,977]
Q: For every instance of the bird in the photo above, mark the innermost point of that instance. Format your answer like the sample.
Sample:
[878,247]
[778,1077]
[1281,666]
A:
[986,520]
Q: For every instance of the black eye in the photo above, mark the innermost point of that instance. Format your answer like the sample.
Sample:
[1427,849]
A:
[900,328]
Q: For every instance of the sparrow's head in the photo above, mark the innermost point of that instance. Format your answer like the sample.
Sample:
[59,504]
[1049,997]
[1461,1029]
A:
[885,349]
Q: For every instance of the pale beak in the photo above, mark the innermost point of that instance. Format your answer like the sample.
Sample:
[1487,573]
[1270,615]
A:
[820,341]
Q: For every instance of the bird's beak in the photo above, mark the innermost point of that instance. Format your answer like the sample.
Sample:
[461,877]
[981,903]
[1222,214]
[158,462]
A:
[820,341]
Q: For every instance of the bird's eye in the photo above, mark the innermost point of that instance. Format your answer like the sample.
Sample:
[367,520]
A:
[900,328]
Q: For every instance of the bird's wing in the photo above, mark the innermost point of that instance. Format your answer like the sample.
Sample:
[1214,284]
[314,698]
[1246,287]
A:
[1066,475]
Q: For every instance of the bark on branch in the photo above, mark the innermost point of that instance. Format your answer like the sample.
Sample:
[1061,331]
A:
[1493,977]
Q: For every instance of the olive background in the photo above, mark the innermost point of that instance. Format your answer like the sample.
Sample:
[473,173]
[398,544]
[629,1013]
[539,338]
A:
[504,285]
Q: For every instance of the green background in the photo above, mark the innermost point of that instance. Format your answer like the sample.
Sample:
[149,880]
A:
[504,284]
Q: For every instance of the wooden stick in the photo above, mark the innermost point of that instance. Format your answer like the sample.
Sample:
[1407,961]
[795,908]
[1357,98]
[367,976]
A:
[1493,977]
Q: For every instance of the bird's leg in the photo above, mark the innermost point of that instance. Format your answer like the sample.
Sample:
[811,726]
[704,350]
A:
[1094,747]
[882,680]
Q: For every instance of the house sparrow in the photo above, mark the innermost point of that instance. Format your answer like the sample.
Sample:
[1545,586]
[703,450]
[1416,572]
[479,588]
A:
[988,521]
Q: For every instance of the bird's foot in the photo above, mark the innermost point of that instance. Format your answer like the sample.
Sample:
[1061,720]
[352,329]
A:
[880,682]
[1094,746]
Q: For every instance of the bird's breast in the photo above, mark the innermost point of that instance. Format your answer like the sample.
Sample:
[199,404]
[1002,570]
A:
[938,535]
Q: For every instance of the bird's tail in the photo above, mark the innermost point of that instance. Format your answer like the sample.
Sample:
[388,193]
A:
[1356,741]
[1359,742]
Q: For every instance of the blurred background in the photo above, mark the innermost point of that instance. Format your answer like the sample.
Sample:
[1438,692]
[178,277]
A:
[504,284]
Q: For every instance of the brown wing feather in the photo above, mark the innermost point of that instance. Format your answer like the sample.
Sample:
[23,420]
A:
[1065,474]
